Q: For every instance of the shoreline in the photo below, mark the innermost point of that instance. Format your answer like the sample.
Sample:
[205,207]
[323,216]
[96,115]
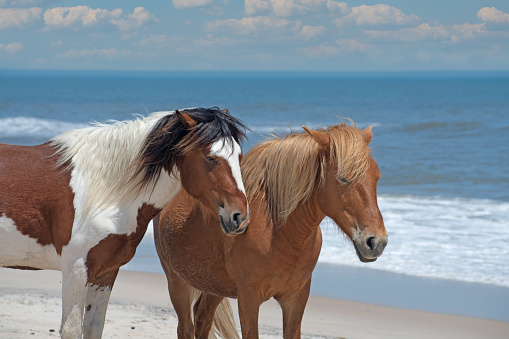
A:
[398,290]
[140,308]
[383,288]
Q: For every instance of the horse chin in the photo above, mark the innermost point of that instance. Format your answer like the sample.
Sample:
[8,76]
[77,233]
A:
[223,226]
[361,257]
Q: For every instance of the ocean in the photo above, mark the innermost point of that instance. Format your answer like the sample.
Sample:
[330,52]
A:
[441,141]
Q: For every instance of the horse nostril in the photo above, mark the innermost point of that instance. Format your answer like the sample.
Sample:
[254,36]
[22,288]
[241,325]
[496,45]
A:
[371,243]
[236,218]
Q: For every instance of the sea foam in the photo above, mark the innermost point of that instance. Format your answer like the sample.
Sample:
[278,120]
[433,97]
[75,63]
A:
[450,238]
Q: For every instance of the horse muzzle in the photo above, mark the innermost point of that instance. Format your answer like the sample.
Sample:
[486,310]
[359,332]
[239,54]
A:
[369,246]
[233,224]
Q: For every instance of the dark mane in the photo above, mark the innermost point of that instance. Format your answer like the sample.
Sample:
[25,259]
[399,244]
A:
[170,140]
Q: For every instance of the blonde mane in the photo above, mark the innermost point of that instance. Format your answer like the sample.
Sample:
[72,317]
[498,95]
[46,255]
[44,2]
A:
[285,170]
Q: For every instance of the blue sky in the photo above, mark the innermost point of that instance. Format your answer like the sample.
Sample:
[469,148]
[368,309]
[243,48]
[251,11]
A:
[254,35]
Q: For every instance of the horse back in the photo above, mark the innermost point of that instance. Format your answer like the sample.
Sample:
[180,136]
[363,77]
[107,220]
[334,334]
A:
[36,202]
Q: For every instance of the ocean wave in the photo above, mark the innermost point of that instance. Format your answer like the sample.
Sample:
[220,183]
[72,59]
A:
[30,127]
[283,128]
[449,238]
[463,126]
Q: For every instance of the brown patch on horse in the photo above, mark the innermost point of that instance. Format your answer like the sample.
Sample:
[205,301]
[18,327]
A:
[36,195]
[117,249]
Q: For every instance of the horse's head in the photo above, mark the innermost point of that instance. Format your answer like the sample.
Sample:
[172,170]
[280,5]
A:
[347,193]
[204,147]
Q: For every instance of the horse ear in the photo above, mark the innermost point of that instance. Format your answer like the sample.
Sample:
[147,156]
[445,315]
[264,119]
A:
[321,138]
[368,134]
[186,120]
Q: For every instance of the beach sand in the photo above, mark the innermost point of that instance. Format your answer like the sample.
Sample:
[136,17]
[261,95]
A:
[30,307]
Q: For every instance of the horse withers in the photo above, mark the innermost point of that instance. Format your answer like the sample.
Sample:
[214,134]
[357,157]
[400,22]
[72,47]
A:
[81,203]
[292,183]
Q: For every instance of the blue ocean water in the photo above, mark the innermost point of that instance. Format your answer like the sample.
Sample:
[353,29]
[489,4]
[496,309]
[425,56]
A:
[441,141]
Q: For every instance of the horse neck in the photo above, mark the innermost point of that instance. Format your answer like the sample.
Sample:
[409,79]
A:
[302,223]
[108,185]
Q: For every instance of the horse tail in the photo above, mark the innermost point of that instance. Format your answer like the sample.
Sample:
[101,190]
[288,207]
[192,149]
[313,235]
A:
[224,322]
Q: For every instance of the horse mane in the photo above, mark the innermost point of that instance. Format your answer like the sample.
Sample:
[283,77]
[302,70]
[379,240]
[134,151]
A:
[170,140]
[121,158]
[285,170]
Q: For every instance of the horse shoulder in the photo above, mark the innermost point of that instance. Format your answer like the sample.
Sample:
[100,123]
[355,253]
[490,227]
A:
[115,250]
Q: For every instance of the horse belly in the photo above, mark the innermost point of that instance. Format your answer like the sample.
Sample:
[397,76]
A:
[21,251]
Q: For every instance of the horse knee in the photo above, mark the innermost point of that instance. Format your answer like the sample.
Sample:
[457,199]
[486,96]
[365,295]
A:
[185,331]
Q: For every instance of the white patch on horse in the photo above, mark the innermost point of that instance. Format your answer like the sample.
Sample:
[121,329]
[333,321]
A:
[17,249]
[117,218]
[103,157]
[223,149]
[95,310]
[105,201]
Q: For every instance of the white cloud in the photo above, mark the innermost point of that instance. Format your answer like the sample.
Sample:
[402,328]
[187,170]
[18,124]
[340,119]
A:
[63,17]
[84,16]
[88,53]
[351,45]
[57,43]
[256,26]
[155,40]
[491,14]
[377,15]
[23,3]
[334,6]
[309,32]
[180,4]
[285,8]
[467,31]
[413,34]
[12,47]
[319,51]
[19,17]
[426,32]
[139,17]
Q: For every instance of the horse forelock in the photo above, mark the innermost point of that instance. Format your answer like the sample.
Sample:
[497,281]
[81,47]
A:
[350,152]
[284,170]
[170,140]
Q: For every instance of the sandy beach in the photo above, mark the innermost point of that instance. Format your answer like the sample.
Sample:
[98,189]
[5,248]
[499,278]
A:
[140,308]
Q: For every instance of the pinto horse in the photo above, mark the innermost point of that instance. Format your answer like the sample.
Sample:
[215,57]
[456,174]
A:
[292,183]
[81,203]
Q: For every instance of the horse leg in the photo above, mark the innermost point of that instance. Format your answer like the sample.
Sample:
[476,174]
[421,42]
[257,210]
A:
[181,298]
[204,310]
[249,306]
[74,279]
[293,311]
[96,304]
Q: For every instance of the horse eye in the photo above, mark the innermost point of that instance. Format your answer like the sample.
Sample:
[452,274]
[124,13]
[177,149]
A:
[211,159]
[343,180]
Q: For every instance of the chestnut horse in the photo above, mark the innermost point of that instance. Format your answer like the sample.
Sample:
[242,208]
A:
[292,183]
[81,203]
